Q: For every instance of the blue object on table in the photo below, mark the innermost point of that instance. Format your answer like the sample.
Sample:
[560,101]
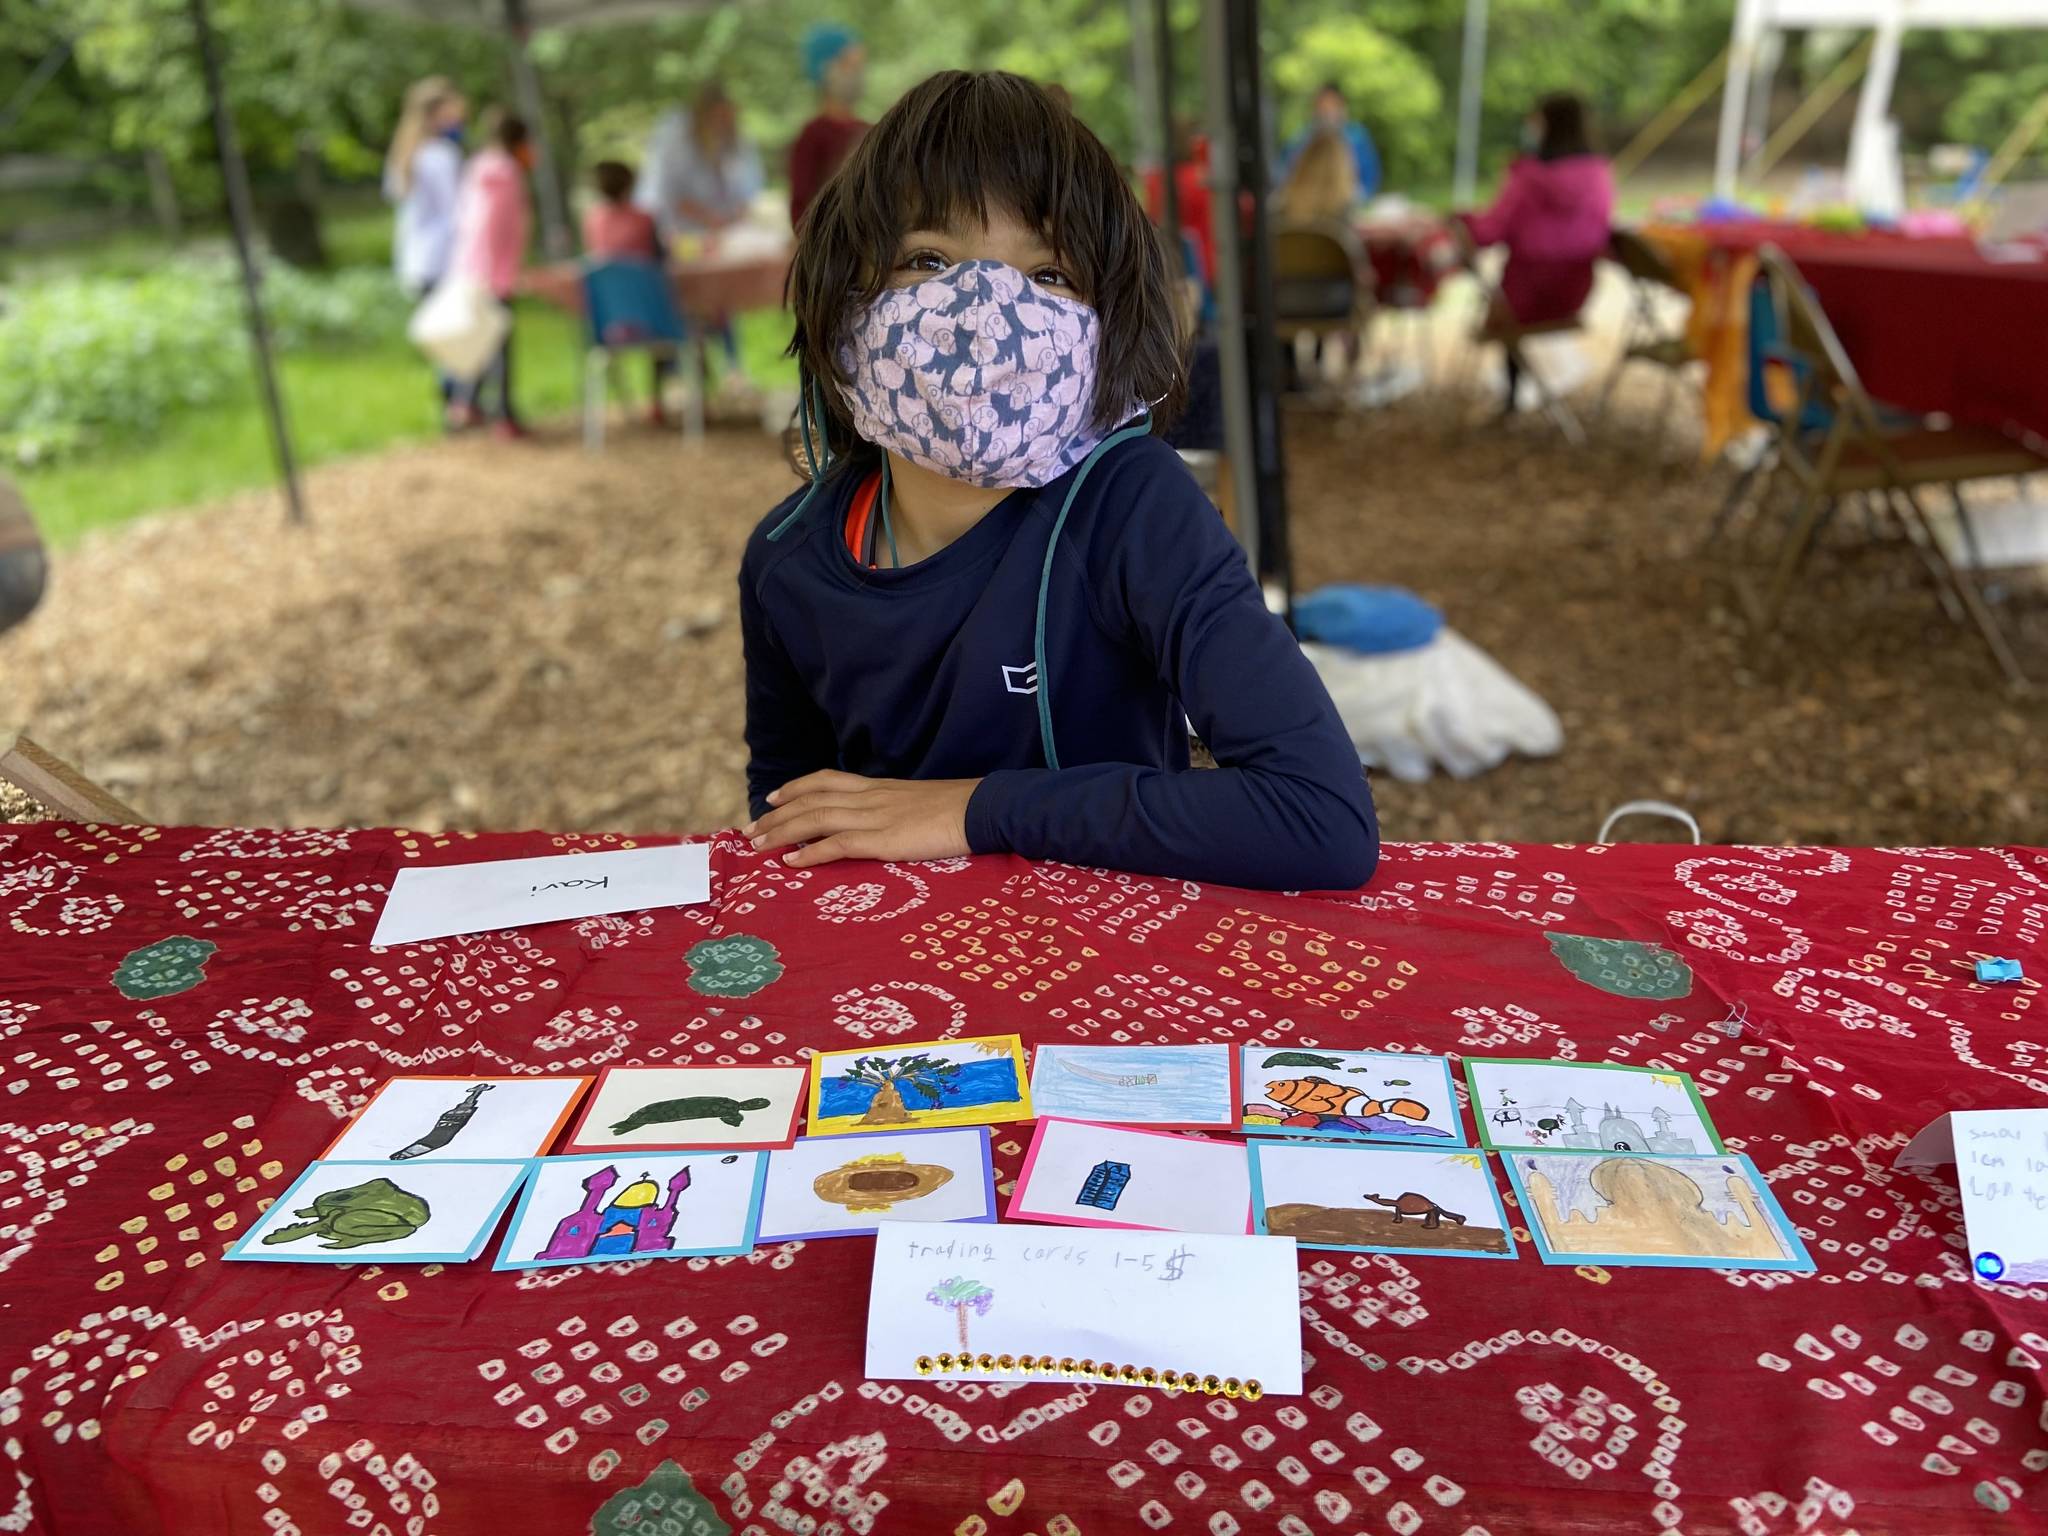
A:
[1998,970]
[1369,620]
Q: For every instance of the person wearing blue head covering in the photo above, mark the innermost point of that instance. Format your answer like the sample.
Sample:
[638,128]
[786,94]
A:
[835,61]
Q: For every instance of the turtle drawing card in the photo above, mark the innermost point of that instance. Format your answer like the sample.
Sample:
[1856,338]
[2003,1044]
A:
[424,1212]
[847,1186]
[461,1119]
[1380,1199]
[1350,1095]
[633,1205]
[1172,1087]
[1587,1106]
[679,1109]
[919,1085]
[1077,1174]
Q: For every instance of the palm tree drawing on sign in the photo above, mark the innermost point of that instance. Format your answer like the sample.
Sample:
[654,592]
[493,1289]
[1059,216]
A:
[962,1296]
[889,1075]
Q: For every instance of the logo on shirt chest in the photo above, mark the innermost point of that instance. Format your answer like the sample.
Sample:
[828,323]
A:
[1022,679]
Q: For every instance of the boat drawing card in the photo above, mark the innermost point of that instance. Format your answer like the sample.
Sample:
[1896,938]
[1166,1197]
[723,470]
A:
[1350,1096]
[1587,1106]
[1173,1087]
[846,1186]
[1077,1174]
[1380,1199]
[633,1205]
[461,1119]
[919,1085]
[422,1212]
[1630,1208]
[679,1109]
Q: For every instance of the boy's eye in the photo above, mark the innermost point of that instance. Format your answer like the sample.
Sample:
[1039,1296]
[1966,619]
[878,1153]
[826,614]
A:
[923,261]
[1052,277]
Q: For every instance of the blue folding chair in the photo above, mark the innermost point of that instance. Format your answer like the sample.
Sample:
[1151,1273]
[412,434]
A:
[628,307]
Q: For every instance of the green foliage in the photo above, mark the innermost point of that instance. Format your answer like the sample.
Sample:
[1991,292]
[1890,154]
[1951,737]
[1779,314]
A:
[1390,88]
[86,357]
[1991,104]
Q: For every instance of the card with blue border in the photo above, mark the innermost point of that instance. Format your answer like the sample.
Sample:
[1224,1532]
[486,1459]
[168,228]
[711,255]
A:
[1429,1201]
[617,1206]
[348,1212]
[1635,1208]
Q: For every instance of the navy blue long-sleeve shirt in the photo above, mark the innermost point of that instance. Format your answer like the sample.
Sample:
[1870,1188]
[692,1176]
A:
[926,672]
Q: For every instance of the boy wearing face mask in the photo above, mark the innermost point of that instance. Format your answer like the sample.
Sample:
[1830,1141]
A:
[988,622]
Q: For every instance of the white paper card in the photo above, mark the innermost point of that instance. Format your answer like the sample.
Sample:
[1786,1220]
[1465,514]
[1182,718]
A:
[516,893]
[1170,1301]
[1085,1175]
[2002,1169]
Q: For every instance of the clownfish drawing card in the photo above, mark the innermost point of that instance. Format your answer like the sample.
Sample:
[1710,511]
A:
[1349,1096]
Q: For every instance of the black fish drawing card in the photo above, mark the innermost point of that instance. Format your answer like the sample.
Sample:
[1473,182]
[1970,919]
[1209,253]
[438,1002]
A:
[458,1119]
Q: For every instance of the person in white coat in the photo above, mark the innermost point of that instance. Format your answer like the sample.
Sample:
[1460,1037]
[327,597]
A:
[422,172]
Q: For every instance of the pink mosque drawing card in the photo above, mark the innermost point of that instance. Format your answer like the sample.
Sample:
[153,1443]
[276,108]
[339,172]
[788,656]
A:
[611,1207]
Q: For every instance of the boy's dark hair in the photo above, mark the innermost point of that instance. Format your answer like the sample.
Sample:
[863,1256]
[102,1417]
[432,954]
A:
[614,180]
[948,152]
[1565,128]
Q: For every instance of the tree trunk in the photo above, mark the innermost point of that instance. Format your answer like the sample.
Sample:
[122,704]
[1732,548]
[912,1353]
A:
[163,195]
[887,1109]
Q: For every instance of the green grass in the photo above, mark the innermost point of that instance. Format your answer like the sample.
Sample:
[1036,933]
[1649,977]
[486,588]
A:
[340,401]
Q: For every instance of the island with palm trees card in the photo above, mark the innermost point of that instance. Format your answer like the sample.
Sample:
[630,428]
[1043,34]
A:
[919,1085]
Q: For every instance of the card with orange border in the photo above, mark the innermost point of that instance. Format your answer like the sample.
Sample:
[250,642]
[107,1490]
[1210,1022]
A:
[685,1109]
[444,1118]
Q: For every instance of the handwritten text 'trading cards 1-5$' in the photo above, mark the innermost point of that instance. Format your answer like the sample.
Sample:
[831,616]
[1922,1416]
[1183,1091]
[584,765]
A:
[1163,1302]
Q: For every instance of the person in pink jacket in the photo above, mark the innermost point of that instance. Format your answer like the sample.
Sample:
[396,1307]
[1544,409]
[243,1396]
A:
[491,227]
[1552,214]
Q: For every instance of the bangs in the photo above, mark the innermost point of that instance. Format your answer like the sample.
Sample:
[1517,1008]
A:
[952,152]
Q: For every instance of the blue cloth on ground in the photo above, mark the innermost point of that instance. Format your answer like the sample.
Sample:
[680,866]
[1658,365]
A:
[1372,621]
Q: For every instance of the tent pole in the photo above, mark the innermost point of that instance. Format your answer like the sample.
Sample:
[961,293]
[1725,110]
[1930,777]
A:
[1873,159]
[1240,152]
[547,170]
[1742,46]
[234,175]
[1471,93]
[1146,150]
[1169,188]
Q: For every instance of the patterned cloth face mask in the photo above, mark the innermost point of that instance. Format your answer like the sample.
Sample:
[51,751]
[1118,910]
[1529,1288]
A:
[976,373]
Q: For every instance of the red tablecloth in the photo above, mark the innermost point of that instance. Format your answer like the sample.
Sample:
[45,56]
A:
[146,1387]
[1937,326]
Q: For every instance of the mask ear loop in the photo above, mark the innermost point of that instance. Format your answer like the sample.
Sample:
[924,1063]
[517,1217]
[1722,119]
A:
[1139,428]
[818,453]
[888,528]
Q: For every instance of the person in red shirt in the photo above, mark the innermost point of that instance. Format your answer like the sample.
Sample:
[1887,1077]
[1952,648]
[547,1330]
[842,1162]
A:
[614,229]
[836,62]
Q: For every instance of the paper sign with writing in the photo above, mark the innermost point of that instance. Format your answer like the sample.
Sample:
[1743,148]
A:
[516,893]
[1177,1302]
[2002,1170]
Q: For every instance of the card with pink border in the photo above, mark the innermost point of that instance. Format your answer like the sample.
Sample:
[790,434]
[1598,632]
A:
[1077,1173]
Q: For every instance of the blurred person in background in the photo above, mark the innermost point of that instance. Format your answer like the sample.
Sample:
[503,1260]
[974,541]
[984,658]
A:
[836,62]
[1322,188]
[492,224]
[1553,216]
[422,171]
[616,229]
[1332,115]
[701,176]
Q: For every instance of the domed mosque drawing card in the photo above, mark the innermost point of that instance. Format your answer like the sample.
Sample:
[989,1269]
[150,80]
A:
[628,1205]
[1587,1106]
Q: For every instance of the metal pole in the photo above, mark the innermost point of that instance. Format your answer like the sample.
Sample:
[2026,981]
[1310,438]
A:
[554,204]
[1169,159]
[1742,46]
[234,176]
[1471,92]
[1231,347]
[1146,151]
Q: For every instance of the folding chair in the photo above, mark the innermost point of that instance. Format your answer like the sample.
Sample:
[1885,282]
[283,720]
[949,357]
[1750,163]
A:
[1646,336]
[629,307]
[1320,291]
[1500,328]
[1834,442]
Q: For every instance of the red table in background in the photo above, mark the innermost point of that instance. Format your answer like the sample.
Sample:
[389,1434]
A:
[148,1388]
[1410,258]
[708,288]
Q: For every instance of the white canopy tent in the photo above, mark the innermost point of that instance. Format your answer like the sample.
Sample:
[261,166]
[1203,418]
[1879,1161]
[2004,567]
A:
[1874,182]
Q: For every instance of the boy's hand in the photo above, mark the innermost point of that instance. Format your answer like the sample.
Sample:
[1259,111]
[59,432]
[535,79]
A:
[844,816]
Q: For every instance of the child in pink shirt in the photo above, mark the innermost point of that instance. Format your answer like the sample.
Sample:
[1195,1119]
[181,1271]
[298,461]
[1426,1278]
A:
[492,223]
[615,229]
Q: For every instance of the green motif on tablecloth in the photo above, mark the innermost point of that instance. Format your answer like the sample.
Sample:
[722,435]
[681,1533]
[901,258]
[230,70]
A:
[666,1504]
[1623,967]
[163,969]
[738,965]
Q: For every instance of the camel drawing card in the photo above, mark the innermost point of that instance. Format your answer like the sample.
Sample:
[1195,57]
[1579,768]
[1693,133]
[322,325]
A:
[422,1212]
[626,1205]
[847,1186]
[920,1085]
[1380,1199]
[1173,1087]
[1077,1174]
[461,1119]
[1349,1095]
[1586,1106]
[1633,1208]
[680,1109]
